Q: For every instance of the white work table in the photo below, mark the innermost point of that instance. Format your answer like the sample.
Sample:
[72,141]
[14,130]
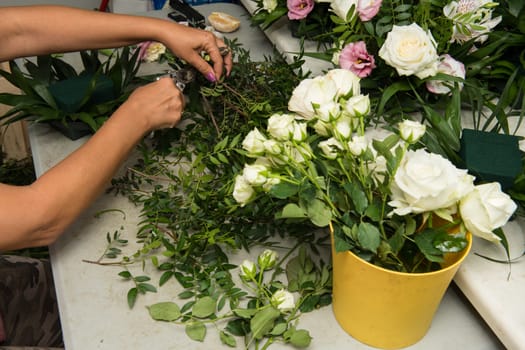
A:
[92,298]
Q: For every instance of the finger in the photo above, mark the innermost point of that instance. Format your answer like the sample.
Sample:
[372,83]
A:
[227,56]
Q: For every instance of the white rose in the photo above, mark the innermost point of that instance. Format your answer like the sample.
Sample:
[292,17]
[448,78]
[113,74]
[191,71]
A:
[242,191]
[269,5]
[342,8]
[272,147]
[358,145]
[281,126]
[154,51]
[311,94]
[426,182]
[253,143]
[330,148]
[411,51]
[329,111]
[358,106]
[322,128]
[485,209]
[255,174]
[283,300]
[447,65]
[299,131]
[411,131]
[346,81]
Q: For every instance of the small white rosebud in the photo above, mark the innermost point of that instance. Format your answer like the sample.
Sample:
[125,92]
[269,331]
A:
[411,131]
[272,147]
[267,259]
[248,270]
[255,174]
[242,191]
[330,148]
[358,105]
[254,142]
[283,300]
[343,127]
[358,145]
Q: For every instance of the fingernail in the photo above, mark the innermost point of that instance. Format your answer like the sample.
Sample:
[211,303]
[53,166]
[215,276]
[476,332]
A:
[211,77]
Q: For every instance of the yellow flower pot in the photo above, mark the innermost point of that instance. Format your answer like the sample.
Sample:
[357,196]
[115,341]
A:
[388,309]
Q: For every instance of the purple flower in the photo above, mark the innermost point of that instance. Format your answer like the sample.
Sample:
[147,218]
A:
[356,58]
[299,9]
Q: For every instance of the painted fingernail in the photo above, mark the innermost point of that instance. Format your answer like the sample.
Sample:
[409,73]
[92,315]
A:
[211,77]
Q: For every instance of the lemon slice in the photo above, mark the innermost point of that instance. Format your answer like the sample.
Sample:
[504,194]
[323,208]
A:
[223,22]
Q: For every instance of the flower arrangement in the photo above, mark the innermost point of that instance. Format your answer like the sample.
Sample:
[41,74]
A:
[432,59]
[389,199]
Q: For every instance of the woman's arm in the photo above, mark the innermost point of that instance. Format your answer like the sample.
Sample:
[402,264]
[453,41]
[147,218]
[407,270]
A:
[36,215]
[35,30]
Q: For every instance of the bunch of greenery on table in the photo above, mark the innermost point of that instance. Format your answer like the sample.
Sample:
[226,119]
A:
[191,225]
[94,93]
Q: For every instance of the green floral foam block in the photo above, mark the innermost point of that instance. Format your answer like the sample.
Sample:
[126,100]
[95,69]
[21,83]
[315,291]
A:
[491,156]
[71,94]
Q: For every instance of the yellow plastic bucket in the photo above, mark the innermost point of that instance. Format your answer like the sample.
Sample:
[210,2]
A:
[388,309]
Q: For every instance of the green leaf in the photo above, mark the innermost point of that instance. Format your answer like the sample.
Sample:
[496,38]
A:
[262,322]
[279,328]
[196,330]
[227,339]
[284,190]
[132,297]
[245,313]
[369,236]
[425,243]
[238,327]
[357,195]
[204,307]
[164,311]
[146,287]
[125,274]
[319,213]
[299,338]
[292,211]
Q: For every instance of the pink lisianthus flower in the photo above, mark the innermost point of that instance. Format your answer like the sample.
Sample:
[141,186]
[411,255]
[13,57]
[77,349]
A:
[356,58]
[299,9]
[367,9]
[143,49]
[450,66]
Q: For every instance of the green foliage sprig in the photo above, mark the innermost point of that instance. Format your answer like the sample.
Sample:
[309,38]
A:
[182,184]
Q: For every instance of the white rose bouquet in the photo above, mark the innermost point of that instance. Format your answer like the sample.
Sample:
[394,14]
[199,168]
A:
[388,199]
[434,59]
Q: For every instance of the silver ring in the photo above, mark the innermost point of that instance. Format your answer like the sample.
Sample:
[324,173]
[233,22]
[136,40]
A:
[224,50]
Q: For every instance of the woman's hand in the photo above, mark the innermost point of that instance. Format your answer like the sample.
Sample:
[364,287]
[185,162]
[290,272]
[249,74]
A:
[154,106]
[188,43]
